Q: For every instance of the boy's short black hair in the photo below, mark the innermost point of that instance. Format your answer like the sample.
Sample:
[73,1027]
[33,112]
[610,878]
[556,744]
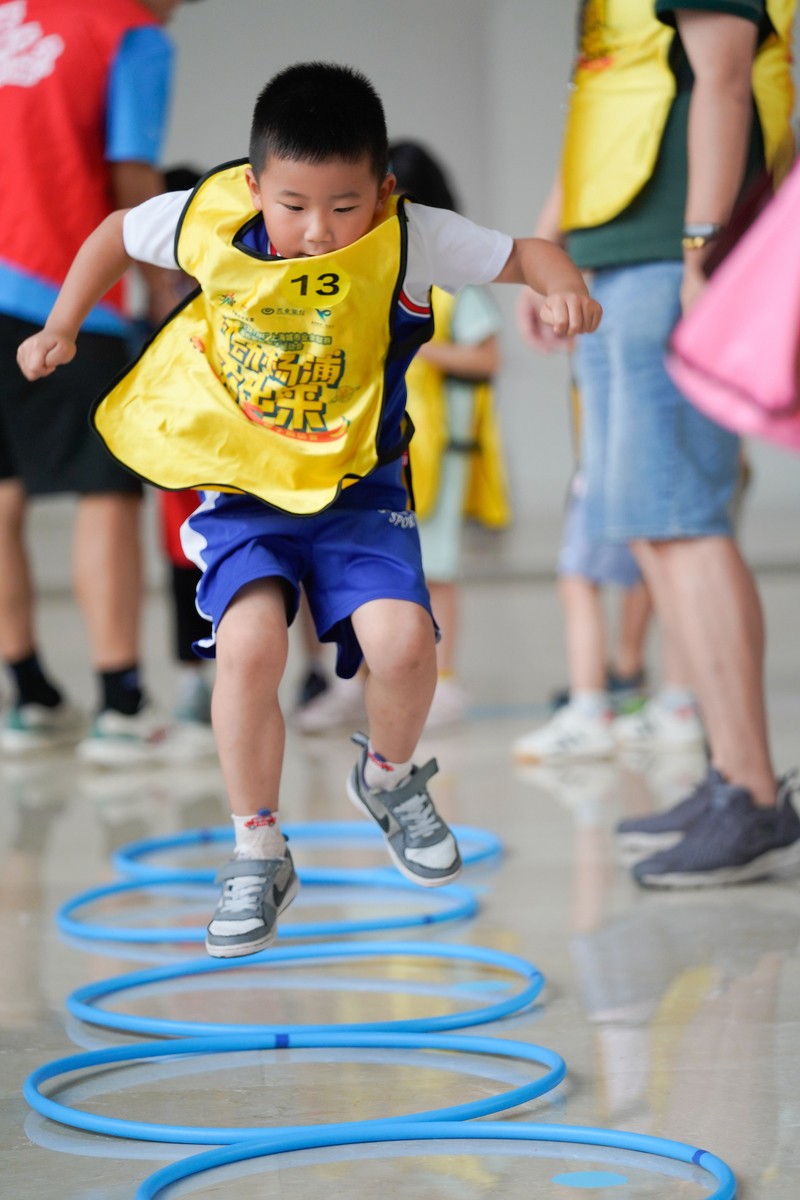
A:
[315,111]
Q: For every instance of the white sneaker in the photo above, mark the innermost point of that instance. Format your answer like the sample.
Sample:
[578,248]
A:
[448,705]
[339,706]
[657,726]
[32,727]
[569,734]
[119,740]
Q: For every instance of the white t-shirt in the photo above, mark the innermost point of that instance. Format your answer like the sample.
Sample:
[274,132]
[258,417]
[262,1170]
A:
[444,248]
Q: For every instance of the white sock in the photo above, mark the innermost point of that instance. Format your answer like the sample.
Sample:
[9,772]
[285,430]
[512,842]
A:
[258,836]
[380,773]
[675,698]
[590,702]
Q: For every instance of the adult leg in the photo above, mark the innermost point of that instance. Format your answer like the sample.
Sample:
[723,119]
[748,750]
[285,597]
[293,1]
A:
[584,629]
[17,639]
[707,599]
[107,572]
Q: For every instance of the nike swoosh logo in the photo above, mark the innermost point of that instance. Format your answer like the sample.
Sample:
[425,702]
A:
[279,894]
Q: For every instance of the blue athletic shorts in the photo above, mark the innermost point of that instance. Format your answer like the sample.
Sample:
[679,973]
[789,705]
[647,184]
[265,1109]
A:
[655,466]
[343,557]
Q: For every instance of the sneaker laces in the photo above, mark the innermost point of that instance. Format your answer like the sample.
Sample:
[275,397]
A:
[241,894]
[418,816]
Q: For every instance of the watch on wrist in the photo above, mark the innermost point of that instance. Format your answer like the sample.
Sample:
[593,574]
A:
[697,235]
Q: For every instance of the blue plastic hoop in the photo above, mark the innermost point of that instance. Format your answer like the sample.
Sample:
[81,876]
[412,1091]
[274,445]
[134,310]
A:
[399,1131]
[476,846]
[82,1003]
[457,904]
[204,1135]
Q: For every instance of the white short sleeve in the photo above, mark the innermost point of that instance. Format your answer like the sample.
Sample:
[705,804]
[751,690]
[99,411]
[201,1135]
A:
[148,231]
[450,251]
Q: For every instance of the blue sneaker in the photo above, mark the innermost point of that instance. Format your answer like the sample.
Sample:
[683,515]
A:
[661,830]
[731,840]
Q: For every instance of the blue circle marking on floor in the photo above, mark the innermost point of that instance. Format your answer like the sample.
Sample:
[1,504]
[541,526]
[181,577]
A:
[590,1179]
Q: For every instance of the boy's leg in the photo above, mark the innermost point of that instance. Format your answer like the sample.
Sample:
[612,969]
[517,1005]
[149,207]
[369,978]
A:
[398,642]
[260,881]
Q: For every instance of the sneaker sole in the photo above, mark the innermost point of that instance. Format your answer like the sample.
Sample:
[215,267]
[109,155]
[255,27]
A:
[404,870]
[771,865]
[645,844]
[530,758]
[223,950]
[13,742]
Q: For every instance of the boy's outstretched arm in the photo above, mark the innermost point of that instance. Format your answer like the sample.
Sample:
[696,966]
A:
[97,266]
[567,305]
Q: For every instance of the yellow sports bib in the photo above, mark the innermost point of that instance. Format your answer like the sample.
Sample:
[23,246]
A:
[487,495]
[270,379]
[622,92]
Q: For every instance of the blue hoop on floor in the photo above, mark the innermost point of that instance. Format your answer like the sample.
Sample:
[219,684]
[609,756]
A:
[400,1131]
[459,903]
[205,1135]
[476,846]
[82,1002]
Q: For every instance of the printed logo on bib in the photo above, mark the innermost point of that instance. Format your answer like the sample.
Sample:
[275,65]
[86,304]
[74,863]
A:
[27,54]
[282,379]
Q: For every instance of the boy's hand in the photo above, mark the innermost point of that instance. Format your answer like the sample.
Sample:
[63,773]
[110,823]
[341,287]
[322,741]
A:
[533,329]
[571,312]
[41,354]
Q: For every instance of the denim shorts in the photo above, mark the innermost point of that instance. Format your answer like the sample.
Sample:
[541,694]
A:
[655,467]
[596,559]
[343,558]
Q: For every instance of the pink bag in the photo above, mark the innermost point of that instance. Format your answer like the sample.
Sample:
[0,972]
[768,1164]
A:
[736,355]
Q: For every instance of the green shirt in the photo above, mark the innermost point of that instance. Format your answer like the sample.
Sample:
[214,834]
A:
[651,227]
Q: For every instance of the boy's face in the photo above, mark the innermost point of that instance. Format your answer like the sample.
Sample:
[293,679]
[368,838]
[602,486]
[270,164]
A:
[314,208]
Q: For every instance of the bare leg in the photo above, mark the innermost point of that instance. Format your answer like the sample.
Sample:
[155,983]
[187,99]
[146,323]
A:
[107,569]
[584,629]
[635,615]
[252,647]
[399,646]
[17,639]
[706,598]
[444,602]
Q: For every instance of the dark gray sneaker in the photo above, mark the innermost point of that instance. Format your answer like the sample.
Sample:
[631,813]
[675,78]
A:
[254,892]
[733,841]
[659,831]
[420,843]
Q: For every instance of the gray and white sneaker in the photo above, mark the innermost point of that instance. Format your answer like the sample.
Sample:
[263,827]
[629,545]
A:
[419,841]
[254,892]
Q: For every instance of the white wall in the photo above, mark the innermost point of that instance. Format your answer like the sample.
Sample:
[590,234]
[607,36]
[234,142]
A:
[483,82]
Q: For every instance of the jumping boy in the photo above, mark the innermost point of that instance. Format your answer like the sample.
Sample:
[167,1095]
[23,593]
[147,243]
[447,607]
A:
[278,390]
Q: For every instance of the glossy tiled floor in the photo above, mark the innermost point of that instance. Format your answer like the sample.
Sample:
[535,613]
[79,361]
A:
[678,1015]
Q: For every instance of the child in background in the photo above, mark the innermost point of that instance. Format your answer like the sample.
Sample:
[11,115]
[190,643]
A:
[450,403]
[279,390]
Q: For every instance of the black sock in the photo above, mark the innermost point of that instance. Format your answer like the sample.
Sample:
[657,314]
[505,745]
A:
[121,690]
[33,686]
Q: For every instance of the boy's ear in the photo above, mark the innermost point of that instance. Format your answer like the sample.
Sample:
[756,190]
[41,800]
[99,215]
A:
[385,190]
[252,185]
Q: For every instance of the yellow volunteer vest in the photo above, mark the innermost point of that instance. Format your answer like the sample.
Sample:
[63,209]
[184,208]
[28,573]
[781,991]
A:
[622,92]
[270,380]
[426,404]
[487,496]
